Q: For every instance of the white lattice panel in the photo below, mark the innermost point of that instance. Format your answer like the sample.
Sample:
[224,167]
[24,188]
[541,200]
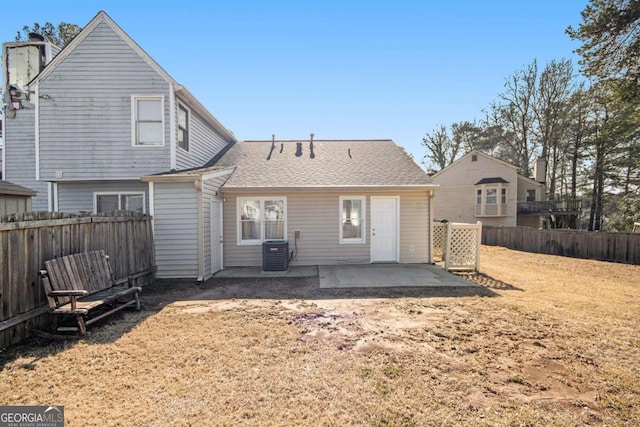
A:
[439,240]
[463,246]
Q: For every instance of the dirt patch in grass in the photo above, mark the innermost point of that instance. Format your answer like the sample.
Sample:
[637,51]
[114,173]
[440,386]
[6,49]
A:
[546,341]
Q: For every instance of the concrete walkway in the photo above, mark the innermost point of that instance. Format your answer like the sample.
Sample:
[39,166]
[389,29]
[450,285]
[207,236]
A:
[359,275]
[387,276]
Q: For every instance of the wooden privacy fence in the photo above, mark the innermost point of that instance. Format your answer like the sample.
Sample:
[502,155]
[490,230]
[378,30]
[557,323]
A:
[457,244]
[26,243]
[616,247]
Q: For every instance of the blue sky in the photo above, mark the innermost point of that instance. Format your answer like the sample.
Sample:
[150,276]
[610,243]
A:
[339,69]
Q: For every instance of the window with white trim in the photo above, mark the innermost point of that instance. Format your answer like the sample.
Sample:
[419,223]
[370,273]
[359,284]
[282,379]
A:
[491,199]
[260,219]
[129,201]
[183,127]
[148,120]
[352,219]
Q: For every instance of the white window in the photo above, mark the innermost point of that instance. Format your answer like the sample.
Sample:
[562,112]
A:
[491,199]
[260,219]
[129,201]
[183,127]
[352,219]
[148,120]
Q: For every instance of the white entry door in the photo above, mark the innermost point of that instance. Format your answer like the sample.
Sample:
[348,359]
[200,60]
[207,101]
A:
[384,229]
[216,236]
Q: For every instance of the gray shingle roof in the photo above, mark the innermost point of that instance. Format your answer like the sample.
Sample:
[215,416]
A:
[15,190]
[372,163]
[494,180]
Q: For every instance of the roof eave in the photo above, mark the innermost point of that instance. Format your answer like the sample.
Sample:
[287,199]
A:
[193,102]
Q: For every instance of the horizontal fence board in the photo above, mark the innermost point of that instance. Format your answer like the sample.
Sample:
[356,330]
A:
[27,241]
[614,247]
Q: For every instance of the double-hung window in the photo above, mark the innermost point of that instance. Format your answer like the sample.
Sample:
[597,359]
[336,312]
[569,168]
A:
[148,120]
[183,127]
[129,201]
[352,219]
[260,219]
[491,197]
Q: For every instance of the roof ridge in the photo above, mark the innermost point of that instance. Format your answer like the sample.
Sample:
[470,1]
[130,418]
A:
[319,140]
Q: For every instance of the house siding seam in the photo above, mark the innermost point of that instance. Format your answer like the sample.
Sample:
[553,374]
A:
[85,125]
[176,229]
[316,216]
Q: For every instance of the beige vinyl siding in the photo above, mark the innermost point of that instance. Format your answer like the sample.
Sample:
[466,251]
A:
[204,142]
[86,122]
[524,185]
[456,198]
[20,157]
[74,197]
[316,215]
[176,229]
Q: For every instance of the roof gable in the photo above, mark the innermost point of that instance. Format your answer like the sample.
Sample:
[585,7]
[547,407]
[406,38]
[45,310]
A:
[102,17]
[322,164]
[477,153]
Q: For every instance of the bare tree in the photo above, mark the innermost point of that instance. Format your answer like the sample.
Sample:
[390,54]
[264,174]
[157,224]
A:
[442,149]
[515,113]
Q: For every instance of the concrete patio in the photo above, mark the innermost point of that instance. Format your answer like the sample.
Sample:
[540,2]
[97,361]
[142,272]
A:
[360,275]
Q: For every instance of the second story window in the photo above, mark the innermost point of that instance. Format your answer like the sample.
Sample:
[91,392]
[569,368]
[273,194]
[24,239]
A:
[183,128]
[148,119]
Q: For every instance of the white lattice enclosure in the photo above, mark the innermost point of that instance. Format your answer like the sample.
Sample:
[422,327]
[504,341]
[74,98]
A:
[462,249]
[439,240]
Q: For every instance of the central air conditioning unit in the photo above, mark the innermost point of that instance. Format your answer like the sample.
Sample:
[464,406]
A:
[275,255]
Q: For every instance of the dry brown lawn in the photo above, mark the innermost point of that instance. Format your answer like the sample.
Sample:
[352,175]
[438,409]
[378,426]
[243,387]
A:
[546,341]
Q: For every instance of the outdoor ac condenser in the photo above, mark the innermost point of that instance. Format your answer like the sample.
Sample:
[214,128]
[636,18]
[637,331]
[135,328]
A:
[275,255]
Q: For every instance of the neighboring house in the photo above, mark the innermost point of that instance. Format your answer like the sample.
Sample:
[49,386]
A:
[14,198]
[100,115]
[479,187]
[334,201]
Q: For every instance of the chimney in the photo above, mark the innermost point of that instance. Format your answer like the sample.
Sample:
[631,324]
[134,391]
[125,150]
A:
[540,170]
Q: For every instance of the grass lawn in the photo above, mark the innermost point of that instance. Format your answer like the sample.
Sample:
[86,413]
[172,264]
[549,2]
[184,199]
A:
[546,341]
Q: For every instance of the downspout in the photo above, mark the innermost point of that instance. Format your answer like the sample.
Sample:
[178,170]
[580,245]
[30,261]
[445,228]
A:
[432,194]
[173,139]
[152,206]
[36,102]
[198,185]
[4,138]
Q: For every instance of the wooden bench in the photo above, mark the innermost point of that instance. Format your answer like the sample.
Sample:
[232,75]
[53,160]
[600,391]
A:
[82,286]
